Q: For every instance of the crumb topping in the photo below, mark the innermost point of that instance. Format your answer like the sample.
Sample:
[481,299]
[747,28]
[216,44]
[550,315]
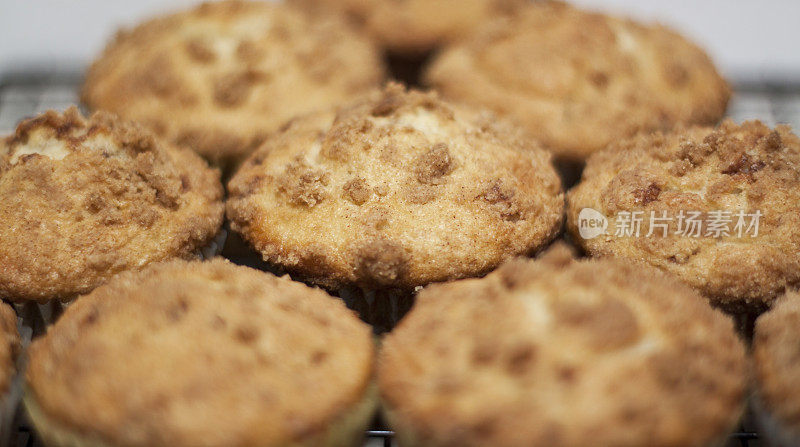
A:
[776,354]
[269,361]
[416,26]
[86,198]
[220,77]
[748,168]
[580,80]
[400,188]
[566,353]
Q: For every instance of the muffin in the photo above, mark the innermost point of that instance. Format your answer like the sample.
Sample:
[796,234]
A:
[219,78]
[84,199]
[559,352]
[10,347]
[417,26]
[202,354]
[580,80]
[717,207]
[776,355]
[394,191]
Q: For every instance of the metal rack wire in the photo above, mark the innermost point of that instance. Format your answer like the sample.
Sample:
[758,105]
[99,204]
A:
[26,94]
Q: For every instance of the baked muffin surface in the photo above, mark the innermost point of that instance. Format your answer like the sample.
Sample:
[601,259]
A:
[83,199]
[220,77]
[201,354]
[776,355]
[10,346]
[397,189]
[559,352]
[580,80]
[729,175]
[417,26]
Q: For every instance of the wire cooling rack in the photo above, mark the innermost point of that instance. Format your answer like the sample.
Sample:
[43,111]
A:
[26,94]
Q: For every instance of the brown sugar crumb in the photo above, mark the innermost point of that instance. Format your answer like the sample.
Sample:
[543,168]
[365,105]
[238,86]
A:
[771,142]
[421,194]
[431,167]
[680,168]
[381,261]
[483,353]
[246,334]
[521,359]
[609,325]
[696,153]
[599,79]
[391,101]
[159,77]
[357,191]
[200,51]
[248,51]
[233,89]
[744,165]
[376,218]
[501,199]
[676,75]
[303,185]
[64,126]
[647,195]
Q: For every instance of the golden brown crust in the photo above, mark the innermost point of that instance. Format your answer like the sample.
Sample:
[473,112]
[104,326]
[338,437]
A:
[734,168]
[776,355]
[201,354]
[84,199]
[417,26]
[9,346]
[579,80]
[398,189]
[561,352]
[220,77]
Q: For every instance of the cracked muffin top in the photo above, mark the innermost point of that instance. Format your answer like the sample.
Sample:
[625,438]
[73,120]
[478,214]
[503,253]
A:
[10,346]
[561,352]
[398,189]
[220,77]
[580,80]
[736,186]
[224,356]
[84,199]
[776,354]
[417,26]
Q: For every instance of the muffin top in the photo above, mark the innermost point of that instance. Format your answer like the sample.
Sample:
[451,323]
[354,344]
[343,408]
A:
[398,189]
[561,352]
[776,352]
[9,346]
[83,199]
[223,355]
[220,77]
[731,194]
[579,80]
[417,26]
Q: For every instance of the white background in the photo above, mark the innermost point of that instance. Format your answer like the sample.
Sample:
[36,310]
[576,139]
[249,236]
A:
[748,39]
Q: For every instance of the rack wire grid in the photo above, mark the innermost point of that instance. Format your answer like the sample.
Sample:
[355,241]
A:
[26,94]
